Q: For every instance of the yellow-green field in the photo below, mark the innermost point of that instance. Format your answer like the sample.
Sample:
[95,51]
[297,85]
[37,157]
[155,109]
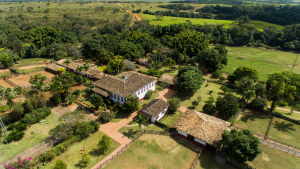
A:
[167,20]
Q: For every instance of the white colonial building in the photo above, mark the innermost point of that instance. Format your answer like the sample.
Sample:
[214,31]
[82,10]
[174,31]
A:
[118,89]
[154,110]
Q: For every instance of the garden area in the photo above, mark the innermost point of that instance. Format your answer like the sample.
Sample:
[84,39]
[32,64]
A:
[75,152]
[255,121]
[154,151]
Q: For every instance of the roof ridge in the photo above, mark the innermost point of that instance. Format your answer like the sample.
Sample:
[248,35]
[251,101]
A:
[154,103]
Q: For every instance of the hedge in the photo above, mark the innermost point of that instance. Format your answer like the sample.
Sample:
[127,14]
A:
[36,115]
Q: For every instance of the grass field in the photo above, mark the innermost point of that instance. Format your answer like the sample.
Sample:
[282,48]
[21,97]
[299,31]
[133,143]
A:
[186,100]
[254,121]
[207,161]
[167,20]
[74,153]
[285,131]
[40,133]
[154,151]
[274,159]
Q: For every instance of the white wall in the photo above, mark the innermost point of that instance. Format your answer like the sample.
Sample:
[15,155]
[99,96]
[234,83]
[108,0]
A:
[142,93]
[161,114]
[182,133]
[116,100]
[200,141]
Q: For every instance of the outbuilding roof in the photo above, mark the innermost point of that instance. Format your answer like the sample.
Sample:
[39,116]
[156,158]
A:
[100,91]
[143,60]
[203,127]
[170,79]
[53,67]
[123,87]
[155,107]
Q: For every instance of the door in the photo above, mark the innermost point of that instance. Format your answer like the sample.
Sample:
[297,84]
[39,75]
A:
[190,138]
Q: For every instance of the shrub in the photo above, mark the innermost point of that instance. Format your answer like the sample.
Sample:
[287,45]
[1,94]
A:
[209,108]
[4,108]
[15,135]
[85,160]
[36,115]
[164,84]
[258,103]
[232,120]
[217,73]
[222,78]
[80,99]
[148,94]
[174,104]
[282,103]
[211,99]
[60,165]
[129,65]
[106,117]
[225,89]
[195,103]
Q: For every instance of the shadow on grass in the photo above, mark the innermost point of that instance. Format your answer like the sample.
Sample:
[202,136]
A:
[221,93]
[252,115]
[283,126]
[96,153]
[131,133]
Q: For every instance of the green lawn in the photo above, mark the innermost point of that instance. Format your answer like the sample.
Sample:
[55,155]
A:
[146,101]
[285,131]
[167,20]
[154,151]
[74,153]
[186,100]
[255,121]
[40,133]
[207,161]
[170,119]
[264,69]
[31,61]
[274,159]
[120,117]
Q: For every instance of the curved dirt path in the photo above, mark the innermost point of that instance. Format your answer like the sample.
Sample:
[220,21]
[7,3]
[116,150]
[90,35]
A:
[23,68]
[134,15]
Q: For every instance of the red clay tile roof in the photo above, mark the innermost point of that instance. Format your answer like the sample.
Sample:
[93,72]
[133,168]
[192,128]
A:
[155,107]
[202,126]
[123,87]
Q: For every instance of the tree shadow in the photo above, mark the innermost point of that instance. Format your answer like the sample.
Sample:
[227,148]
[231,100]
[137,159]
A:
[283,126]
[130,133]
[96,153]
[252,115]
[221,93]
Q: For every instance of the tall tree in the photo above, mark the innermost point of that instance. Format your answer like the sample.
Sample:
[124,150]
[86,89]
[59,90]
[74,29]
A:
[243,72]
[131,103]
[117,64]
[19,44]
[141,120]
[242,145]
[278,86]
[227,106]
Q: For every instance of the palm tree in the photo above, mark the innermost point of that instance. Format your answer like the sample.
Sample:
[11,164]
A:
[19,44]
[67,62]
[142,120]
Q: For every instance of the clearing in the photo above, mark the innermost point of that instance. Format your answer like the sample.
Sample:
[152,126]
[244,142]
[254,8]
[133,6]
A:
[154,151]
[24,79]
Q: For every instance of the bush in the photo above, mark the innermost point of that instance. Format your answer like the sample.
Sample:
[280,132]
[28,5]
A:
[36,115]
[282,103]
[209,108]
[15,135]
[217,73]
[85,160]
[174,104]
[222,78]
[60,165]
[195,103]
[164,84]
[80,99]
[258,103]
[4,108]
[232,120]
[106,117]
[148,94]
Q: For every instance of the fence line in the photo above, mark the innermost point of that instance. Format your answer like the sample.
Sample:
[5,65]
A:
[269,128]
[195,160]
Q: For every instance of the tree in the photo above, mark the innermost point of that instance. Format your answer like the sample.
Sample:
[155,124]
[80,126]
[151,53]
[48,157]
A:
[195,103]
[85,160]
[260,90]
[278,86]
[37,81]
[242,145]
[245,88]
[174,104]
[117,64]
[29,9]
[141,120]
[243,72]
[129,65]
[209,108]
[187,68]
[199,98]
[104,144]
[131,103]
[96,100]
[19,44]
[164,84]
[59,164]
[227,106]
[213,59]
[158,15]
[225,89]
[189,82]
[106,116]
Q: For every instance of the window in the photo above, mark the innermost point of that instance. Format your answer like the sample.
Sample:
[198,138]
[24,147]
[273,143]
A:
[122,99]
[118,97]
[115,96]
[112,95]
[145,89]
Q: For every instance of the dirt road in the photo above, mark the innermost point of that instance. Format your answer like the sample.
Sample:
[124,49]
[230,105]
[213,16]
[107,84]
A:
[23,68]
[134,14]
